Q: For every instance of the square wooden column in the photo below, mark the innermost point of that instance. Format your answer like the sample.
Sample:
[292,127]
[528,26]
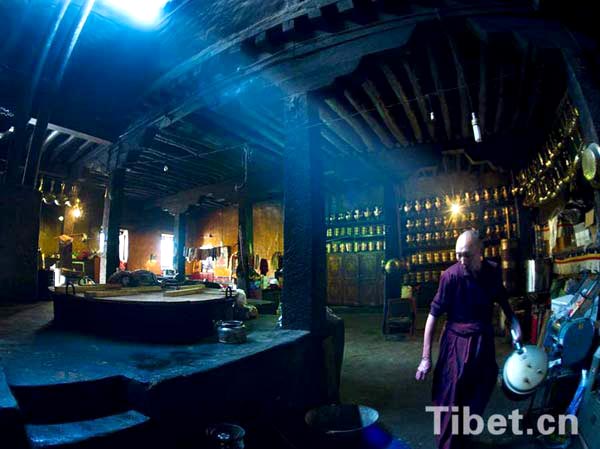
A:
[111,223]
[304,263]
[179,242]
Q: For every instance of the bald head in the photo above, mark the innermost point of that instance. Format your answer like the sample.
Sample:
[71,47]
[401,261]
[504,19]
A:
[468,250]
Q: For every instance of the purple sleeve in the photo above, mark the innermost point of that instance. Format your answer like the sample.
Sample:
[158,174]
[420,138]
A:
[502,297]
[441,300]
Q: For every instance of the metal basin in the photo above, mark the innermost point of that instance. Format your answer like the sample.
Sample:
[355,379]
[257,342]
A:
[341,420]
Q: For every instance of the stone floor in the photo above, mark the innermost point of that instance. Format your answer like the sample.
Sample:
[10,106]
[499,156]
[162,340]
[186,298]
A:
[379,372]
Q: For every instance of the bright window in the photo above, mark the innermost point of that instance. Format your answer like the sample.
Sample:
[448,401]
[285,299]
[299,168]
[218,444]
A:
[167,251]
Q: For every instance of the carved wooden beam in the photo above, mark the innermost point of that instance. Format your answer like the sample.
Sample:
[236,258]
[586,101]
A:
[439,88]
[359,128]
[462,89]
[337,126]
[368,117]
[371,90]
[399,91]
[414,81]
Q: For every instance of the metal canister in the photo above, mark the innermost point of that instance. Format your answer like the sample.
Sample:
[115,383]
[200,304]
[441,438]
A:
[328,247]
[427,276]
[494,251]
[334,247]
[342,248]
[420,258]
[418,223]
[364,230]
[356,247]
[417,206]
[349,247]
[437,202]
[486,215]
[429,257]
[445,256]
[371,245]
[363,246]
[437,257]
[451,255]
[414,259]
[437,220]
[379,245]
[342,232]
[231,331]
[356,230]
[349,231]
[428,204]
[336,232]
[379,230]
[426,222]
[435,276]
[419,276]
[437,236]
[495,214]
[329,232]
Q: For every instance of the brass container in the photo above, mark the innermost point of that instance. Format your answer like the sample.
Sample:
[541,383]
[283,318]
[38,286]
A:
[426,222]
[379,229]
[437,202]
[329,232]
[488,231]
[418,223]
[348,215]
[420,259]
[367,213]
[437,236]
[437,257]
[418,238]
[334,247]
[496,194]
[437,221]
[371,246]
[485,195]
[427,276]
[473,216]
[419,276]
[476,196]
[504,193]
[435,276]
[495,214]
[364,230]
[417,206]
[357,214]
[487,252]
[342,232]
[429,257]
[447,234]
[378,245]
[342,248]
[349,231]
[356,247]
[467,198]
[427,238]
[409,239]
[451,255]
[495,251]
[486,215]
[428,204]
[356,230]
[336,232]
[372,229]
[445,256]
[407,206]
[331,217]
[455,233]
[504,244]
[328,247]
[414,259]
[363,246]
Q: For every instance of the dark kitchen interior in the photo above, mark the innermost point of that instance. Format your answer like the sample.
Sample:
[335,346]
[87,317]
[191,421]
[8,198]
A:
[224,223]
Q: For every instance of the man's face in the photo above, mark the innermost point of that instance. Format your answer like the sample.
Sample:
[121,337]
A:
[468,253]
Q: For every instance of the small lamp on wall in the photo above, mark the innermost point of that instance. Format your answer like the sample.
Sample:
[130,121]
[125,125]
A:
[152,258]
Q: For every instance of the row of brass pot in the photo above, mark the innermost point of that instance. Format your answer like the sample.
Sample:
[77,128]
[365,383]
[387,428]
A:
[349,231]
[422,276]
[496,194]
[438,221]
[355,247]
[448,255]
[447,236]
[369,213]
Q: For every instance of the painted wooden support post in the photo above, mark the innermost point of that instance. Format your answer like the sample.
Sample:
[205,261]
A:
[393,280]
[304,262]
[179,241]
[245,241]
[111,220]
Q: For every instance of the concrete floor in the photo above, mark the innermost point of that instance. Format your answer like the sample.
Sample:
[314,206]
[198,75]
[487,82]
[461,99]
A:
[379,372]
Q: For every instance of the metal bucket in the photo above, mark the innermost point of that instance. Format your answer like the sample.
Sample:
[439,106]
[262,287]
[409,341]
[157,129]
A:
[341,424]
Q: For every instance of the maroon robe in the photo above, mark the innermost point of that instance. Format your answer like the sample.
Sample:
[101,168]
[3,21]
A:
[466,369]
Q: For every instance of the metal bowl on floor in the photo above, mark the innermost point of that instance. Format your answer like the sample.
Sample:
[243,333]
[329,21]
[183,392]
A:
[341,420]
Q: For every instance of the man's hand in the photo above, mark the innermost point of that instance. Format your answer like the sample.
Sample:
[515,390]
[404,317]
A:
[423,369]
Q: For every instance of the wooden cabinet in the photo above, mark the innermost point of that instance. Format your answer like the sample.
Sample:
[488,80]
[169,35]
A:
[355,278]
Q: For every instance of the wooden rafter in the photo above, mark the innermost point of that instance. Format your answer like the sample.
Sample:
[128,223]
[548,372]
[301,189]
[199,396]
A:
[371,90]
[359,128]
[57,152]
[339,144]
[369,118]
[439,90]
[462,89]
[80,151]
[500,101]
[414,81]
[401,94]
[337,126]
[482,85]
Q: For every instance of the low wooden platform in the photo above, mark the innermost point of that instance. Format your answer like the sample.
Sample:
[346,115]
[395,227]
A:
[146,316]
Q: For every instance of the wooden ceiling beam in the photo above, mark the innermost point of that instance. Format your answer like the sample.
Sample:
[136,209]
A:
[359,128]
[58,151]
[150,157]
[80,151]
[441,95]
[337,126]
[371,90]
[404,101]
[369,118]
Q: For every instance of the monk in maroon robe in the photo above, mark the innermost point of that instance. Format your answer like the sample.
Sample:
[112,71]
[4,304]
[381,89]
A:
[466,370]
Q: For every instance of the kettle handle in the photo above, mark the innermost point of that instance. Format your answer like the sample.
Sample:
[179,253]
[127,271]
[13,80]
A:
[517,344]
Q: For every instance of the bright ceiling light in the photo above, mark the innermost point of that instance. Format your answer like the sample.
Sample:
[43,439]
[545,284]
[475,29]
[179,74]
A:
[143,11]
[455,209]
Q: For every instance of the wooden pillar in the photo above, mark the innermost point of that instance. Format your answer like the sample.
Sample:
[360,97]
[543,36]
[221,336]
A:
[393,280]
[245,241]
[20,208]
[304,264]
[179,242]
[111,222]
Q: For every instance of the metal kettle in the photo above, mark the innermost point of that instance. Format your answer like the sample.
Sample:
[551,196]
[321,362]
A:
[524,370]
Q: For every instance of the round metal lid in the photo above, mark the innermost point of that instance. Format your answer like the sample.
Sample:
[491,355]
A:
[526,370]
[589,161]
